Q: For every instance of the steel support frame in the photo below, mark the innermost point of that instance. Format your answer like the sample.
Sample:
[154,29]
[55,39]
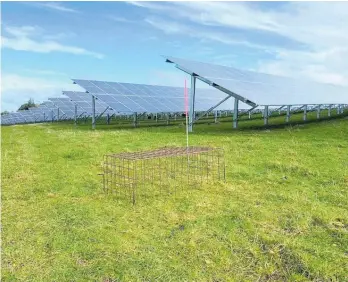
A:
[212,108]
[318,112]
[75,115]
[192,103]
[305,109]
[265,115]
[93,112]
[288,107]
[135,119]
[329,110]
[235,113]
[102,113]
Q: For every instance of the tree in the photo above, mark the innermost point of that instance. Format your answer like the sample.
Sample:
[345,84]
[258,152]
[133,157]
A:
[5,113]
[27,105]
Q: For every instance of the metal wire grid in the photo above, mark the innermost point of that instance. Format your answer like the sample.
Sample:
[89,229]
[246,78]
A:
[161,172]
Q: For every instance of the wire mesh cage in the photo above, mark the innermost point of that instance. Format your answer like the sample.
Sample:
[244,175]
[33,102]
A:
[163,171]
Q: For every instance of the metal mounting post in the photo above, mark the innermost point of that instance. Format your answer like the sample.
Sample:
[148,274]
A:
[215,116]
[107,118]
[265,116]
[235,113]
[135,119]
[329,111]
[288,113]
[318,112]
[192,103]
[93,112]
[52,116]
[305,112]
[57,114]
[75,117]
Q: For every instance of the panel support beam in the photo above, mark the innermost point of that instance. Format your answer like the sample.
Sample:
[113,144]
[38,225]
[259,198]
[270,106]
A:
[57,114]
[93,112]
[318,112]
[75,116]
[215,116]
[192,103]
[265,115]
[135,119]
[329,111]
[305,112]
[288,107]
[235,113]
[214,107]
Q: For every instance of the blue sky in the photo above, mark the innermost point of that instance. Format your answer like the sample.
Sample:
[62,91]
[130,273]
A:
[44,44]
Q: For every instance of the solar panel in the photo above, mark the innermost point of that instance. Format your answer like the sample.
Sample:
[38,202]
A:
[264,89]
[67,107]
[6,119]
[84,101]
[27,116]
[41,113]
[128,97]
[17,118]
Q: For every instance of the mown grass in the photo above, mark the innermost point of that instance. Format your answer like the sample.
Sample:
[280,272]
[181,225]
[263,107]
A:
[281,215]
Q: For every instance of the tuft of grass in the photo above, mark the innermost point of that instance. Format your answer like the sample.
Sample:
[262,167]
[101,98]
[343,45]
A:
[281,215]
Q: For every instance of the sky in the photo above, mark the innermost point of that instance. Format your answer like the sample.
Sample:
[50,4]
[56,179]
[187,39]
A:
[45,44]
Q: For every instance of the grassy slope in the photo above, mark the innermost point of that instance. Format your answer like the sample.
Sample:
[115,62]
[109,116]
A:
[58,225]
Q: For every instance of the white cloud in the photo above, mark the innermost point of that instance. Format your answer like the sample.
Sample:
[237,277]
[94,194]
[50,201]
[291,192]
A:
[320,27]
[17,89]
[171,27]
[25,38]
[58,7]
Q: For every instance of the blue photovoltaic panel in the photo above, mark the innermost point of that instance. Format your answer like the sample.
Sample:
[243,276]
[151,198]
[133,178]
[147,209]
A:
[6,119]
[66,106]
[28,116]
[17,118]
[128,97]
[264,89]
[84,101]
[41,113]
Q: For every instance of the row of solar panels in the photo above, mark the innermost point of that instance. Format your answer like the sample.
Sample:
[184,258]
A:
[76,105]
[120,98]
[117,98]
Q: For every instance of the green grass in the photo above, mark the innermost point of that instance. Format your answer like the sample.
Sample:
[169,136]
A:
[281,215]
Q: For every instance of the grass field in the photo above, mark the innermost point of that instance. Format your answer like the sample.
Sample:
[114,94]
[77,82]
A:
[282,214]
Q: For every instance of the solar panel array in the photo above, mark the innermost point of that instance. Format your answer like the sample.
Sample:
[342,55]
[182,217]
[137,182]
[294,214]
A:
[129,98]
[84,101]
[126,98]
[67,107]
[264,89]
